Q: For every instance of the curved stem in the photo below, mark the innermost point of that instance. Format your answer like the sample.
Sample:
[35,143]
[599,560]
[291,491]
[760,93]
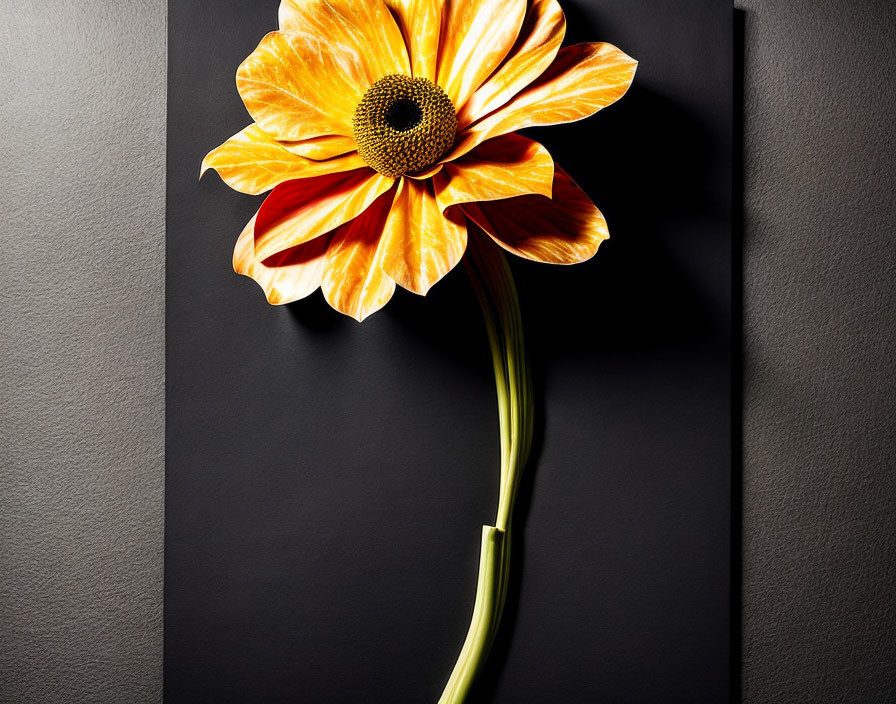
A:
[494,287]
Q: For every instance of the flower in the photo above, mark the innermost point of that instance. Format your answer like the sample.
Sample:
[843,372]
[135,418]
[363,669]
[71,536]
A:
[382,129]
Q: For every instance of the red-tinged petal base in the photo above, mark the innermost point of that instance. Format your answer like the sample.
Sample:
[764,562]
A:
[298,211]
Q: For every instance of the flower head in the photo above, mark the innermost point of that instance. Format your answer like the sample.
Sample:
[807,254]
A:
[382,129]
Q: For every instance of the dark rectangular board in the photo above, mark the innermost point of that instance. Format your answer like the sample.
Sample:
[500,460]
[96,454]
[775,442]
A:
[326,481]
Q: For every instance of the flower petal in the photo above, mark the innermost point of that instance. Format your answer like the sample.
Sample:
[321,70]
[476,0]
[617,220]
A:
[253,162]
[535,49]
[300,210]
[420,22]
[504,167]
[421,244]
[565,229]
[287,276]
[354,282]
[323,147]
[305,81]
[475,39]
[364,30]
[583,79]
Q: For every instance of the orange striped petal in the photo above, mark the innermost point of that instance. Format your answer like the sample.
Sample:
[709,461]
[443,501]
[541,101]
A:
[253,162]
[323,147]
[298,211]
[475,39]
[420,244]
[287,276]
[535,49]
[421,23]
[305,81]
[565,229]
[365,31]
[504,167]
[354,282]
[583,79]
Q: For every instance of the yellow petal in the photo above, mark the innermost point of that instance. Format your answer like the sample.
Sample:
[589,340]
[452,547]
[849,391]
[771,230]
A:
[475,39]
[354,282]
[583,79]
[364,31]
[420,244]
[305,81]
[535,49]
[565,229]
[298,211]
[323,147]
[287,276]
[253,162]
[420,22]
[504,167]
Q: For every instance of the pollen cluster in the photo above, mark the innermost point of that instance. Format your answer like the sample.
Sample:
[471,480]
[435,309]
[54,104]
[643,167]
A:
[403,124]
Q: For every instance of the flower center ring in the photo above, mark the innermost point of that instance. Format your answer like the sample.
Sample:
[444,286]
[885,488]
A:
[403,124]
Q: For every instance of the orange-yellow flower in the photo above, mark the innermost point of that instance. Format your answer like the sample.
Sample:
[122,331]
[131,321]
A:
[382,128]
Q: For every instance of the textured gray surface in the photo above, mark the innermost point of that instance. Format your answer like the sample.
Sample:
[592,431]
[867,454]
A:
[82,350]
[820,379]
[81,353]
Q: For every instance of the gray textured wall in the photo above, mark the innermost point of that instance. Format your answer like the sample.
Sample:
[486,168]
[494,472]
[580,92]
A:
[82,351]
[820,379]
[82,174]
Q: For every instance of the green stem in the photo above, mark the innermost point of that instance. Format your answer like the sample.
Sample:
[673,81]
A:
[493,283]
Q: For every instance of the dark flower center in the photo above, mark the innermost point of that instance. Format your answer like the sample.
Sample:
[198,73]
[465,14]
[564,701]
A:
[403,124]
[403,115]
